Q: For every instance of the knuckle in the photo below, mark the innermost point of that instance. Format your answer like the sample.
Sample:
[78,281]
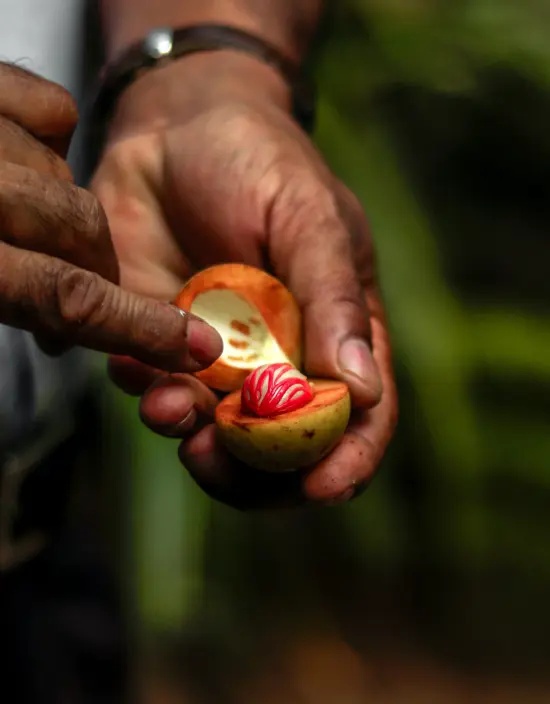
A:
[91,223]
[153,324]
[87,213]
[46,161]
[19,147]
[80,296]
[308,195]
[60,167]
[19,187]
[312,226]
[97,216]
[318,212]
[304,206]
[9,131]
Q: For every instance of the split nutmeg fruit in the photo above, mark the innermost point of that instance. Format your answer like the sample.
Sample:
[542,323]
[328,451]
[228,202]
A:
[274,419]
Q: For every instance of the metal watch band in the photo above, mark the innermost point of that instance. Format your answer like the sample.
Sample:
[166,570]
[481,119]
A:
[165,44]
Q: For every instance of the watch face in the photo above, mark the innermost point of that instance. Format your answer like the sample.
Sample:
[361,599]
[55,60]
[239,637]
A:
[159,43]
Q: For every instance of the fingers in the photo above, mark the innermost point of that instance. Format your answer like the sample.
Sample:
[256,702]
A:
[153,261]
[43,108]
[224,479]
[48,296]
[354,462]
[336,480]
[312,252]
[53,217]
[177,404]
[18,146]
[131,376]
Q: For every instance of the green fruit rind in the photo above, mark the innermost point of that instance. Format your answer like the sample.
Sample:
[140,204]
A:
[289,441]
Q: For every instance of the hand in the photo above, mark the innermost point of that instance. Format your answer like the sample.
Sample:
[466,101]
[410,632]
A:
[58,268]
[205,165]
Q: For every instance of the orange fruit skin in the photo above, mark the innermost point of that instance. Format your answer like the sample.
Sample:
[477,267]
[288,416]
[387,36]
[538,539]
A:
[272,299]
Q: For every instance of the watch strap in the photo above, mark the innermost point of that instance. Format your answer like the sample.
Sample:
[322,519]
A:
[165,44]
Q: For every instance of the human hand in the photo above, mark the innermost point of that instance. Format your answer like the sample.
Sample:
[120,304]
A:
[58,268]
[205,165]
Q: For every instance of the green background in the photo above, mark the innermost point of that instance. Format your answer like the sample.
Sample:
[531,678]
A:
[436,113]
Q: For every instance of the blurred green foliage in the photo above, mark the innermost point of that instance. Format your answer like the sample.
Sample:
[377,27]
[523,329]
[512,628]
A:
[435,113]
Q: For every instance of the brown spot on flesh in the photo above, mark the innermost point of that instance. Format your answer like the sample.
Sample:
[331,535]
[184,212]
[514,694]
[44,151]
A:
[309,434]
[251,357]
[236,359]
[239,344]
[254,321]
[243,328]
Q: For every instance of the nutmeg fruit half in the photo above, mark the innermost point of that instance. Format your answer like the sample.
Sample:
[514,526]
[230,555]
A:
[256,316]
[283,428]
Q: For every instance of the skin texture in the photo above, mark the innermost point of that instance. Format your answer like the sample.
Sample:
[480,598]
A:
[204,165]
[216,170]
[58,269]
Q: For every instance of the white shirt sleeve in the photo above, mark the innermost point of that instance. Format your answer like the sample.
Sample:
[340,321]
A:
[47,37]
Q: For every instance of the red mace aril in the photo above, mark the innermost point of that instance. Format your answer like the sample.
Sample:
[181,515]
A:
[274,389]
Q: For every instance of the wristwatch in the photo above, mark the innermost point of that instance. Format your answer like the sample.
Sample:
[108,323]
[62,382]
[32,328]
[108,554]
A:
[166,44]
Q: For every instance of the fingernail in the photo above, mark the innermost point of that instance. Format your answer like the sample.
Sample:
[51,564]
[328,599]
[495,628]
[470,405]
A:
[343,498]
[355,357]
[184,425]
[177,430]
[205,343]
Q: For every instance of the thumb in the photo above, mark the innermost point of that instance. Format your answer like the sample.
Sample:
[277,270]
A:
[314,256]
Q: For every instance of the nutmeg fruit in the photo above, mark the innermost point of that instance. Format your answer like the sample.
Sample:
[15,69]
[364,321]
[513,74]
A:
[256,316]
[274,419]
[289,440]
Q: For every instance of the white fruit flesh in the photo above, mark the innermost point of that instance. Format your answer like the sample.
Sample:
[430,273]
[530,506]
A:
[247,340]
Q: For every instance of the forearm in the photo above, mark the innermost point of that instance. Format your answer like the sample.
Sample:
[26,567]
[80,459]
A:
[288,24]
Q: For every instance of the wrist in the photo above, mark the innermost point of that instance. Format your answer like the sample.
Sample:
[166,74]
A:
[287,25]
[195,84]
